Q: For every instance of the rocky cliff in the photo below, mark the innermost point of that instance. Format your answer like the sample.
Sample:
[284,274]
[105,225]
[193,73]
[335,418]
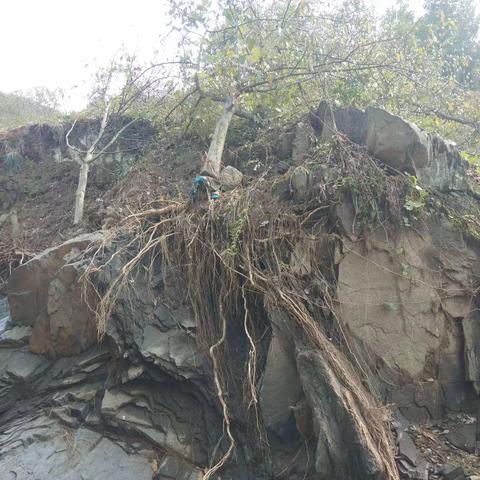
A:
[319,321]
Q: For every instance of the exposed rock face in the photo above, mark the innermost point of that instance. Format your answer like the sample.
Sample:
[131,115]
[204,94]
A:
[279,399]
[110,411]
[398,143]
[405,299]
[341,451]
[142,403]
[37,142]
[45,294]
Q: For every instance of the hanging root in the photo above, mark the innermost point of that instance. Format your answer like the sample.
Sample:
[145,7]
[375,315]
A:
[239,254]
[221,398]
[252,358]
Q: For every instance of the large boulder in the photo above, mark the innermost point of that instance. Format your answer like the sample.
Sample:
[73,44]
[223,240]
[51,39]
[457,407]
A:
[401,145]
[230,178]
[45,293]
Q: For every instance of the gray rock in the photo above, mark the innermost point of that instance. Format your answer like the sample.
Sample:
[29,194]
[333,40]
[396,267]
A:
[4,313]
[175,350]
[45,293]
[302,141]
[452,472]
[400,144]
[42,449]
[230,178]
[407,448]
[279,398]
[168,417]
[15,337]
[173,468]
[463,436]
[334,425]
[22,366]
[471,329]
[300,183]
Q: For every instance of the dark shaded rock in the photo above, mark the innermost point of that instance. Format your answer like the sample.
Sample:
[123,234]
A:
[452,472]
[281,188]
[459,397]
[463,436]
[282,167]
[451,368]
[173,468]
[278,399]
[471,329]
[300,183]
[323,120]
[285,146]
[352,123]
[302,141]
[341,451]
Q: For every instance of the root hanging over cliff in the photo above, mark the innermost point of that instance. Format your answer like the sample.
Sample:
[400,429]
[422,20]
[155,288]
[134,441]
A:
[246,249]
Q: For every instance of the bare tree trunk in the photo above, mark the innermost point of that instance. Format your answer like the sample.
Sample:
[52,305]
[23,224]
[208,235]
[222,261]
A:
[16,230]
[211,166]
[80,195]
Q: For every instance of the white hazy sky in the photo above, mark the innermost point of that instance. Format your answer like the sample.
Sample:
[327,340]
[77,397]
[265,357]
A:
[50,42]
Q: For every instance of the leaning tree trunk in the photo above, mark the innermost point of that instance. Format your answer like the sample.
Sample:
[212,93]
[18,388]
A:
[80,195]
[211,166]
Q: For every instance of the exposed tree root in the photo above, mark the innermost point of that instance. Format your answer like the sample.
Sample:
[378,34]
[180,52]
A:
[221,397]
[244,248]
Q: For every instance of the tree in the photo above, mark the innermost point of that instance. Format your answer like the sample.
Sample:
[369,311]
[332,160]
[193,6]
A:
[449,29]
[117,112]
[435,81]
[237,52]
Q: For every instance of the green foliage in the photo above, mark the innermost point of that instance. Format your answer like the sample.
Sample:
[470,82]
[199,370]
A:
[415,200]
[18,109]
[123,166]
[279,58]
[449,30]
[262,52]
[13,161]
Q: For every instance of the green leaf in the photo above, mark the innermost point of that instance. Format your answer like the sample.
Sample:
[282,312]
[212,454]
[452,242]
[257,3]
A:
[255,55]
